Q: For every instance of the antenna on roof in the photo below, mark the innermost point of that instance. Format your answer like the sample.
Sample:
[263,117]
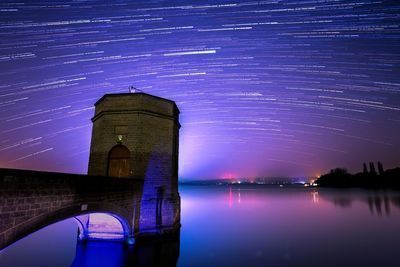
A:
[133,89]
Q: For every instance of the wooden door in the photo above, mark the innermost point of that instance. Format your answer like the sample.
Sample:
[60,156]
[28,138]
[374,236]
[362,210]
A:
[119,161]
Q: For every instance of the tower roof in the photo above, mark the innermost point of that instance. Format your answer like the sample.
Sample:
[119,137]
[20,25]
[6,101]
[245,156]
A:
[133,95]
[129,103]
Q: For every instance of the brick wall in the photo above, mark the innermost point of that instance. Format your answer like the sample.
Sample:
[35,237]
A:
[30,200]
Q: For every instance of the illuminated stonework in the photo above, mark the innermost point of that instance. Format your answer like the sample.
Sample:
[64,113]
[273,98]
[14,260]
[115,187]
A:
[136,136]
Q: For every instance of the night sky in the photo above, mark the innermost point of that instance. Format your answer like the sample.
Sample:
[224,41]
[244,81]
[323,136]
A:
[265,88]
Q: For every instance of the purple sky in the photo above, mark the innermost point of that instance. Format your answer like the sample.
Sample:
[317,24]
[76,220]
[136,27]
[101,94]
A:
[265,88]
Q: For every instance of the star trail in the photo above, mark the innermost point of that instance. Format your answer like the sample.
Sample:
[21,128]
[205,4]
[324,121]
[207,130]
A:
[265,88]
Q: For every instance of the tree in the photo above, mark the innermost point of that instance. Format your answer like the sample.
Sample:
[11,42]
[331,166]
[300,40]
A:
[372,168]
[380,168]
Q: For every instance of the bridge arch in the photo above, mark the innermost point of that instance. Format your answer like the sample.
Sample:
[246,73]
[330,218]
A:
[31,200]
[43,220]
[88,227]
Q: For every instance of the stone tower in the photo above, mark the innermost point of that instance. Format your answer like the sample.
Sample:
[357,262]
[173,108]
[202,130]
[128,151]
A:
[136,136]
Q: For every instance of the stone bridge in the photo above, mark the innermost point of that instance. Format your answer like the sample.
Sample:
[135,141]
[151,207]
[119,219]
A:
[31,200]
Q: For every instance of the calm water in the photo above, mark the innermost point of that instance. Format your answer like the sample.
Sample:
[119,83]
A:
[243,226]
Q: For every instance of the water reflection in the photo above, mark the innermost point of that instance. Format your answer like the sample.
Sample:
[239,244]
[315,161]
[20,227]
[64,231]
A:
[379,202]
[157,252]
[291,226]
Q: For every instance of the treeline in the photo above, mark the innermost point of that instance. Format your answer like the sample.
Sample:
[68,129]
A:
[371,178]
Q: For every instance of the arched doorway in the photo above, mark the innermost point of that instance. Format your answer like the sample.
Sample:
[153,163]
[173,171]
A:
[118,161]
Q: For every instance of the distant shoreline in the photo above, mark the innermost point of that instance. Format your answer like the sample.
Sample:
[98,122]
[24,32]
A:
[368,179]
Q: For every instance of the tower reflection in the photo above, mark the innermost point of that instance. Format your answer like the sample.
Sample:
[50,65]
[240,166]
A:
[161,251]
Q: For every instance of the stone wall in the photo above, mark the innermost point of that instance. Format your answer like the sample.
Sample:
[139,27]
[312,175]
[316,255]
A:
[31,200]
